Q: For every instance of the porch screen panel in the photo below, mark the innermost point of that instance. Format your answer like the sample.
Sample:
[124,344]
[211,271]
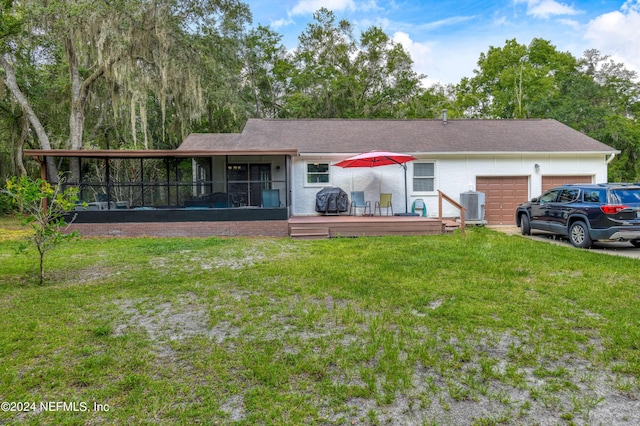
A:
[238,182]
[260,175]
[246,182]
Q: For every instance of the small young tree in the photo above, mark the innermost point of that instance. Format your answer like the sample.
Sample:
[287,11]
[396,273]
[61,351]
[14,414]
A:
[44,206]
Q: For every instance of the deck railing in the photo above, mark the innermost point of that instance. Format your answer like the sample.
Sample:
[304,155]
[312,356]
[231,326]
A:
[443,196]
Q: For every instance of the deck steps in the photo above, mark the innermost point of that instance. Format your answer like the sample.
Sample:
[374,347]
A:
[309,232]
[450,225]
[319,227]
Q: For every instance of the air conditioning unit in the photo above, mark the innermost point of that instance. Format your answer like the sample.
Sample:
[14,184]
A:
[473,202]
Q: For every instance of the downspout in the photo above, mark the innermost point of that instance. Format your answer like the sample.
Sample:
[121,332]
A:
[611,157]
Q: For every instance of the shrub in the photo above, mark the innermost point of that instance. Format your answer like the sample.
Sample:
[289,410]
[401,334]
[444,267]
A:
[44,206]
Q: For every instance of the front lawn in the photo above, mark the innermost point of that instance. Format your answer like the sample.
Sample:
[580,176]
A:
[482,329]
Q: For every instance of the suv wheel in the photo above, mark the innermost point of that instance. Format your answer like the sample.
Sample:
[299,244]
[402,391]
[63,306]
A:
[579,235]
[635,243]
[525,226]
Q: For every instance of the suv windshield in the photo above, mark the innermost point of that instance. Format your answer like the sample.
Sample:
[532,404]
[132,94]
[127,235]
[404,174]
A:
[626,196]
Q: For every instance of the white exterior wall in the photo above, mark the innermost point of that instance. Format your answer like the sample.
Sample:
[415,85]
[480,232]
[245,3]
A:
[454,174]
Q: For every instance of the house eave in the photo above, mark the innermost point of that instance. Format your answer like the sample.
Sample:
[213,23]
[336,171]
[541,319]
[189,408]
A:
[103,153]
[463,153]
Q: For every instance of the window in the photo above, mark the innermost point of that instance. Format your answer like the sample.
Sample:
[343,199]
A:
[568,195]
[625,196]
[549,197]
[424,177]
[317,174]
[594,196]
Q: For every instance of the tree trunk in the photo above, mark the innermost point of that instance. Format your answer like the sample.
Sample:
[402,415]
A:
[76,115]
[19,145]
[41,267]
[43,138]
[79,93]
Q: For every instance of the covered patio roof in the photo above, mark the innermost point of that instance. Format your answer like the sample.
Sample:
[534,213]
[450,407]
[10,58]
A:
[157,153]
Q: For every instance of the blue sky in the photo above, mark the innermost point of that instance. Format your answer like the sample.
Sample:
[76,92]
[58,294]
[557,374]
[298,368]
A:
[445,38]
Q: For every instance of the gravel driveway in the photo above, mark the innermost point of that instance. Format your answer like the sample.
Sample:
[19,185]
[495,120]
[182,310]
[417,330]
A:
[612,248]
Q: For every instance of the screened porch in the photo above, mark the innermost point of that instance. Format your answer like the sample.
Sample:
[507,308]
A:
[120,182]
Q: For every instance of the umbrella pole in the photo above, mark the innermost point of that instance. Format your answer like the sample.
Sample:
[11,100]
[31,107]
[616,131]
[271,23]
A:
[406,196]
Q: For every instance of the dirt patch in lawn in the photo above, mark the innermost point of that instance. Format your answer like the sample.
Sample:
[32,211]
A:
[475,380]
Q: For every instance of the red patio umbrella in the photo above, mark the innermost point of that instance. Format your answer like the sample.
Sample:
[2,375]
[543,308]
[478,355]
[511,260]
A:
[381,158]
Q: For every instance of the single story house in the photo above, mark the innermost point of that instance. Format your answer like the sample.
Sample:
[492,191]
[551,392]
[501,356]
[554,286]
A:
[228,177]
[508,160]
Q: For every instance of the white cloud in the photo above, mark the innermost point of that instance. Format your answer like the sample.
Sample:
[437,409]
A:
[546,8]
[500,20]
[281,23]
[445,22]
[304,7]
[617,34]
[575,25]
[425,60]
[631,6]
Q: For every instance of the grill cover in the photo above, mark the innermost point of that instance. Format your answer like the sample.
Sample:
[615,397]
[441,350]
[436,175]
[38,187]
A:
[332,200]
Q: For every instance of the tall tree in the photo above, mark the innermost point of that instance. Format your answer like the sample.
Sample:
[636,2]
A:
[336,75]
[614,103]
[266,69]
[322,64]
[133,48]
[384,75]
[594,95]
[513,79]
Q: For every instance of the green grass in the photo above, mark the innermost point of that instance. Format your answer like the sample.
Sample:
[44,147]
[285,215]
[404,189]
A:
[480,329]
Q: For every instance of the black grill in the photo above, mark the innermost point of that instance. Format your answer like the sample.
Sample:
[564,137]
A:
[332,201]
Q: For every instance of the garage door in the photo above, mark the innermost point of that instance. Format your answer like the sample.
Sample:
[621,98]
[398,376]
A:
[549,182]
[502,196]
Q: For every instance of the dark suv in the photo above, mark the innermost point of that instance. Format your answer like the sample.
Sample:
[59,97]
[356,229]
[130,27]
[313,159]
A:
[585,213]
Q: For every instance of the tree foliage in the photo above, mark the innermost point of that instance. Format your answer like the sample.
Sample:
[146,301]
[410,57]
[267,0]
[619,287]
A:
[115,65]
[333,74]
[44,206]
[140,74]
[267,68]
[592,94]
[514,80]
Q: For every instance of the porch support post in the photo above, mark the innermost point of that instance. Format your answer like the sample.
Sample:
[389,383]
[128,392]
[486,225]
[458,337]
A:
[80,178]
[168,171]
[107,169]
[141,181]
[43,176]
[175,163]
[287,174]
[226,181]
[43,167]
[210,175]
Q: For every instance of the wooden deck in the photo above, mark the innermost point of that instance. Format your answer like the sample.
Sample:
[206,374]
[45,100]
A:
[358,226]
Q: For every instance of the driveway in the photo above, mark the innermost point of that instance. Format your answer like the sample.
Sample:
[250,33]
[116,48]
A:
[613,248]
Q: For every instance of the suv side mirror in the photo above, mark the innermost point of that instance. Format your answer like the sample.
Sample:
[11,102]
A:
[535,200]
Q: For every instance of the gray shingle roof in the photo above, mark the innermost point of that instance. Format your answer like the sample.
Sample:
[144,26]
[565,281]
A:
[410,136]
